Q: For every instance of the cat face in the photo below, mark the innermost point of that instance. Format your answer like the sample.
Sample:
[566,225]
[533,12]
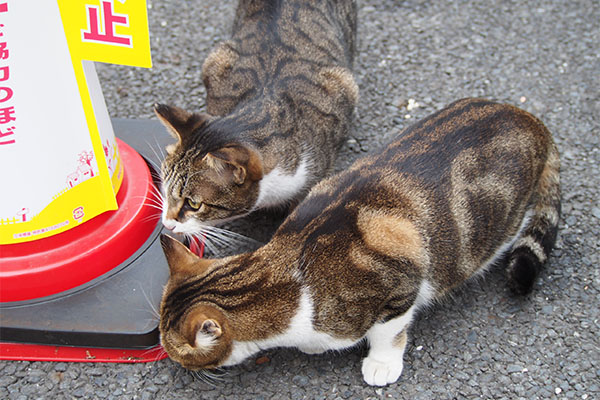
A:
[204,191]
[197,337]
[206,179]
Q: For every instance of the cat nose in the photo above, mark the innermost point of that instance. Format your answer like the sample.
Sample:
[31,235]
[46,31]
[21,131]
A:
[170,225]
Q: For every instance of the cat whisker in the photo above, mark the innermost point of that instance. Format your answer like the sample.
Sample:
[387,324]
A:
[160,155]
[157,192]
[153,205]
[160,353]
[151,201]
[157,196]
[156,207]
[155,218]
[209,377]
[160,148]
[207,244]
[151,321]
[156,200]
[219,239]
[215,243]
[200,376]
[217,374]
[152,163]
[237,237]
[153,308]
[211,248]
[153,311]
[225,232]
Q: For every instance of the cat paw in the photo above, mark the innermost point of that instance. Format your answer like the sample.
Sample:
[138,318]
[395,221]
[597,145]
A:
[379,373]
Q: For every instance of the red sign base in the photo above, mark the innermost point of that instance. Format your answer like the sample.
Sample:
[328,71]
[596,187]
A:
[33,352]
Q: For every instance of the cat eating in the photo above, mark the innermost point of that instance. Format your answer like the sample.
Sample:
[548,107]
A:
[280,100]
[471,185]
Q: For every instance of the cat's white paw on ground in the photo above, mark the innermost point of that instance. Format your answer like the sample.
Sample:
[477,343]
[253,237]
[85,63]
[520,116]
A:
[378,373]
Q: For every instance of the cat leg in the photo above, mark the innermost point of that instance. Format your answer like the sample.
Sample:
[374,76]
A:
[387,343]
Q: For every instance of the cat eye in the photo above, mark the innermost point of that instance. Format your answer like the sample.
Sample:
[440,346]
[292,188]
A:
[194,205]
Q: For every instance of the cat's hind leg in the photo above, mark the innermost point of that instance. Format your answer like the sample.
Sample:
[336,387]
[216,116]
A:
[387,343]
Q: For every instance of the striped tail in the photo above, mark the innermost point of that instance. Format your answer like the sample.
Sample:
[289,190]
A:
[532,249]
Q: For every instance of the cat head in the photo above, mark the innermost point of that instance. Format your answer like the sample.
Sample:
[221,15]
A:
[209,174]
[195,334]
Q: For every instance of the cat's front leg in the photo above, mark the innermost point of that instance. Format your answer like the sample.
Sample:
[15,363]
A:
[387,341]
[384,366]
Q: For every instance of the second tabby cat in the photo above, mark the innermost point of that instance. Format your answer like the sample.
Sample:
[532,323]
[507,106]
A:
[453,194]
[280,99]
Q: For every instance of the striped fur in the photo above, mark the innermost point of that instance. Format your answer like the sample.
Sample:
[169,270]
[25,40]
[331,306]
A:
[453,194]
[280,100]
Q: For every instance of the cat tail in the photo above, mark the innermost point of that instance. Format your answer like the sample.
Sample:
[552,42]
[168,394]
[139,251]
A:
[533,246]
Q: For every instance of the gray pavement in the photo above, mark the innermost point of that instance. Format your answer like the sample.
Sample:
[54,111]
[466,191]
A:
[414,57]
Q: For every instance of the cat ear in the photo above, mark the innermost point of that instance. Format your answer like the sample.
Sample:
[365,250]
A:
[179,122]
[202,326]
[210,327]
[182,262]
[243,162]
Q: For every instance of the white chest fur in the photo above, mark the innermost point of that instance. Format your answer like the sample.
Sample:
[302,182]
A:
[277,187]
[300,334]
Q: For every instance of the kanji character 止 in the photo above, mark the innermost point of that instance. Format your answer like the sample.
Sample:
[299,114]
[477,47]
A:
[110,19]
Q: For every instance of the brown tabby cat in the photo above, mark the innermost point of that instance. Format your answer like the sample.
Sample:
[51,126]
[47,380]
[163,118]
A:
[280,99]
[452,195]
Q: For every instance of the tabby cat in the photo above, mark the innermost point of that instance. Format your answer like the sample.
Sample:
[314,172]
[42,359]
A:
[455,193]
[280,100]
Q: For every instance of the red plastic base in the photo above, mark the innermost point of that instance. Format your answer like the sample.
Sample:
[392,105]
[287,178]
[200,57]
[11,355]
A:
[48,266]
[30,352]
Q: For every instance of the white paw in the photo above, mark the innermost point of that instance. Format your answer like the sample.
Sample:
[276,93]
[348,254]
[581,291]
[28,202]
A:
[378,373]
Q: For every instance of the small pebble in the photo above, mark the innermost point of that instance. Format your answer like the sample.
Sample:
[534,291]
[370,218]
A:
[262,360]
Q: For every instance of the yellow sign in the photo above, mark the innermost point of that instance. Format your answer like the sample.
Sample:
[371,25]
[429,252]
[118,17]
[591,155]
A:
[109,31]
[59,160]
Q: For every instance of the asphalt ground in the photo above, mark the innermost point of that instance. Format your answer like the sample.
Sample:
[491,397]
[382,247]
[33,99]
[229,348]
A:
[414,57]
